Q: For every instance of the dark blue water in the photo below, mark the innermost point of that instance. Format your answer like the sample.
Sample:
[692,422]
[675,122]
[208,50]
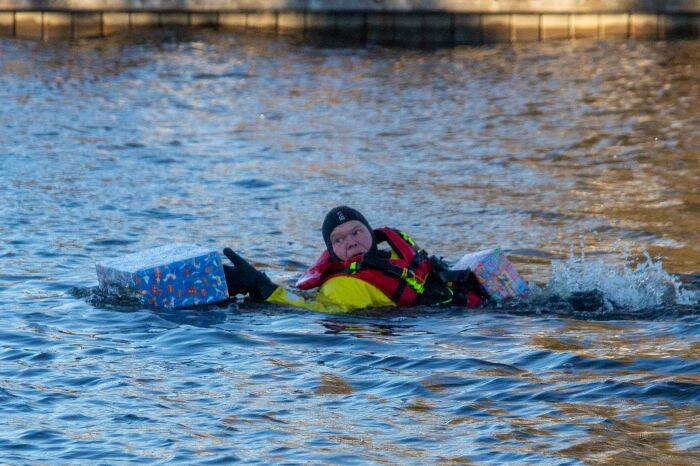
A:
[113,146]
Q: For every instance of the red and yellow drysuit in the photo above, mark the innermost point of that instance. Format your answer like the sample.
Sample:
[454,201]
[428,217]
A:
[365,282]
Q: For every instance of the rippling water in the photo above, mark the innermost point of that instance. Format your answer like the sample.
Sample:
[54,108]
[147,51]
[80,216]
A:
[117,145]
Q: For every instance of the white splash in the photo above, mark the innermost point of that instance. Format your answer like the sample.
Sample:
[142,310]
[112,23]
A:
[621,282]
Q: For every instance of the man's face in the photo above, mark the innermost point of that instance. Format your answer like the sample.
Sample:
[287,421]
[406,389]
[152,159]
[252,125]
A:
[350,239]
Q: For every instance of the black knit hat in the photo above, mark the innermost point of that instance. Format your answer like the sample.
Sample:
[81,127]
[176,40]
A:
[338,216]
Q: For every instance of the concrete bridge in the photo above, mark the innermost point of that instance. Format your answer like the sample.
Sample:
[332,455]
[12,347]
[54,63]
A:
[400,22]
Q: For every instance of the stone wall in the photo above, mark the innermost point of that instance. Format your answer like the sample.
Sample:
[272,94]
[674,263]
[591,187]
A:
[402,22]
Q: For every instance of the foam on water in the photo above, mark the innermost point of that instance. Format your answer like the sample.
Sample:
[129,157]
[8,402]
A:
[620,281]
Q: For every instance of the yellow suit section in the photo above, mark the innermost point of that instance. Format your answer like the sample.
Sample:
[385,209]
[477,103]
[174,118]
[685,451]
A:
[338,295]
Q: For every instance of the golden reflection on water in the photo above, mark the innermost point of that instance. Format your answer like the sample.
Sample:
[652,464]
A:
[555,343]
[615,437]
[284,364]
[611,341]
[456,460]
[332,384]
[419,405]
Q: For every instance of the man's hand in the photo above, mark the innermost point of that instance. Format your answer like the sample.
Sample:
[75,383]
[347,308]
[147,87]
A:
[243,278]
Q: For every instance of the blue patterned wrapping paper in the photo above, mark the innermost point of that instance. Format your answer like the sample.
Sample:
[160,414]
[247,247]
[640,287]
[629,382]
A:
[495,273]
[173,276]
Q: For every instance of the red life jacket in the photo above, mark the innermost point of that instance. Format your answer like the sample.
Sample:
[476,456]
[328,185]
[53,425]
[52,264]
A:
[401,279]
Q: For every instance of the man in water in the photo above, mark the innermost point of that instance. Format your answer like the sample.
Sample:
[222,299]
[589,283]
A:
[354,273]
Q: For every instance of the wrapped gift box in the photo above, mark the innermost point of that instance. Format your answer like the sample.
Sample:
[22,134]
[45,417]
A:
[173,276]
[495,273]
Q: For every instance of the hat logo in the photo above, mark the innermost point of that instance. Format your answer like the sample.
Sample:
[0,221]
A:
[341,217]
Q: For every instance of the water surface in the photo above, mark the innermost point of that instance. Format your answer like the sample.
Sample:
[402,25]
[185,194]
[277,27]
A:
[116,145]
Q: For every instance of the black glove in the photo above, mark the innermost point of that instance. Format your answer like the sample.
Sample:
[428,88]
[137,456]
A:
[242,278]
[374,261]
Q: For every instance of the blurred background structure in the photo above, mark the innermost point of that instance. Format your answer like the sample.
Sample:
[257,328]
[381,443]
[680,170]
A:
[400,22]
